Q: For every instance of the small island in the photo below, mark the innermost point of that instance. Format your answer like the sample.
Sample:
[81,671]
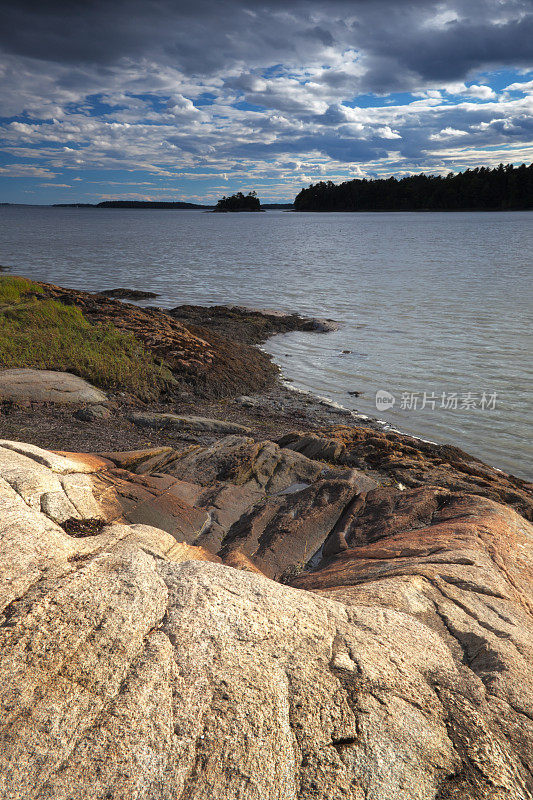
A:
[239,202]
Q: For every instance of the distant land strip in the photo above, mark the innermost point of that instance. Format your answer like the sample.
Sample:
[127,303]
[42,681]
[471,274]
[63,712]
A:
[132,204]
[157,204]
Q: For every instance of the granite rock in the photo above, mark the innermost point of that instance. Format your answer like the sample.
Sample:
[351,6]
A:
[47,386]
[241,460]
[137,667]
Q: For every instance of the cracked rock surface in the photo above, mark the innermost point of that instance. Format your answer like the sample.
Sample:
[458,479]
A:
[155,661]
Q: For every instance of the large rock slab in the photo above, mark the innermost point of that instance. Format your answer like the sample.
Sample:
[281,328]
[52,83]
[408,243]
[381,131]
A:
[73,486]
[47,386]
[290,695]
[171,514]
[283,532]
[135,666]
[463,565]
[267,496]
[242,461]
[48,482]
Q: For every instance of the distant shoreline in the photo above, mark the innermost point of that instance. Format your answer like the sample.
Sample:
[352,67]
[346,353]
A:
[277,207]
[164,205]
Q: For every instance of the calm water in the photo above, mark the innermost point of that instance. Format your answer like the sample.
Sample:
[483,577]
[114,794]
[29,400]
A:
[434,303]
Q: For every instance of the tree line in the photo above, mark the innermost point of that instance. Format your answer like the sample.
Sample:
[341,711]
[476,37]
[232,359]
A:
[503,188]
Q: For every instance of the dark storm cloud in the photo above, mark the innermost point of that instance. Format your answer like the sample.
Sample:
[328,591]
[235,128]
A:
[450,53]
[204,36]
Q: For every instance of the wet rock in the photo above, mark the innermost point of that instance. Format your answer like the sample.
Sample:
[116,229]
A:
[47,386]
[186,422]
[92,413]
[413,463]
[128,294]
[323,325]
[252,325]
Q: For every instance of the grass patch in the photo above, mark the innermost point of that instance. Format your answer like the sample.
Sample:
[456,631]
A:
[44,334]
[13,290]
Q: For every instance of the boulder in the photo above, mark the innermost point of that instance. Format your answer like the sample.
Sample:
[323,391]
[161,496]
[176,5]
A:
[47,386]
[92,413]
[242,461]
[186,422]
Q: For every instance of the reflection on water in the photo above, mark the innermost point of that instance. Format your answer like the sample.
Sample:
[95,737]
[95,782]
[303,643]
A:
[429,303]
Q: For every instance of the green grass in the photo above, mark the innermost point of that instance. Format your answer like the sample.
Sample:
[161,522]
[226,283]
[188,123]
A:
[44,334]
[12,290]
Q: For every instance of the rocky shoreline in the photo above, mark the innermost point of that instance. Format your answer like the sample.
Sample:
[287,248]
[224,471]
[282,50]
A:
[240,591]
[221,374]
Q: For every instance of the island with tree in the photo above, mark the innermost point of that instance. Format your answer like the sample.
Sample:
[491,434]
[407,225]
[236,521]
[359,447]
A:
[239,202]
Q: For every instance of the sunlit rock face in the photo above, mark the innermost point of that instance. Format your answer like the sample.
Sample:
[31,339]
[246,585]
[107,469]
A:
[134,663]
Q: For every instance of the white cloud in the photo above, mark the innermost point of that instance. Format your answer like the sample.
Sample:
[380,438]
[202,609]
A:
[447,133]
[477,91]
[387,133]
[481,92]
[525,87]
[26,171]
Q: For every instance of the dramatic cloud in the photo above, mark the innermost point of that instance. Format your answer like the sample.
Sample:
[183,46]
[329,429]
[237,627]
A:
[191,99]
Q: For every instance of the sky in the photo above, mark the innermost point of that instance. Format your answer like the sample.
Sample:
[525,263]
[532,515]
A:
[194,99]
